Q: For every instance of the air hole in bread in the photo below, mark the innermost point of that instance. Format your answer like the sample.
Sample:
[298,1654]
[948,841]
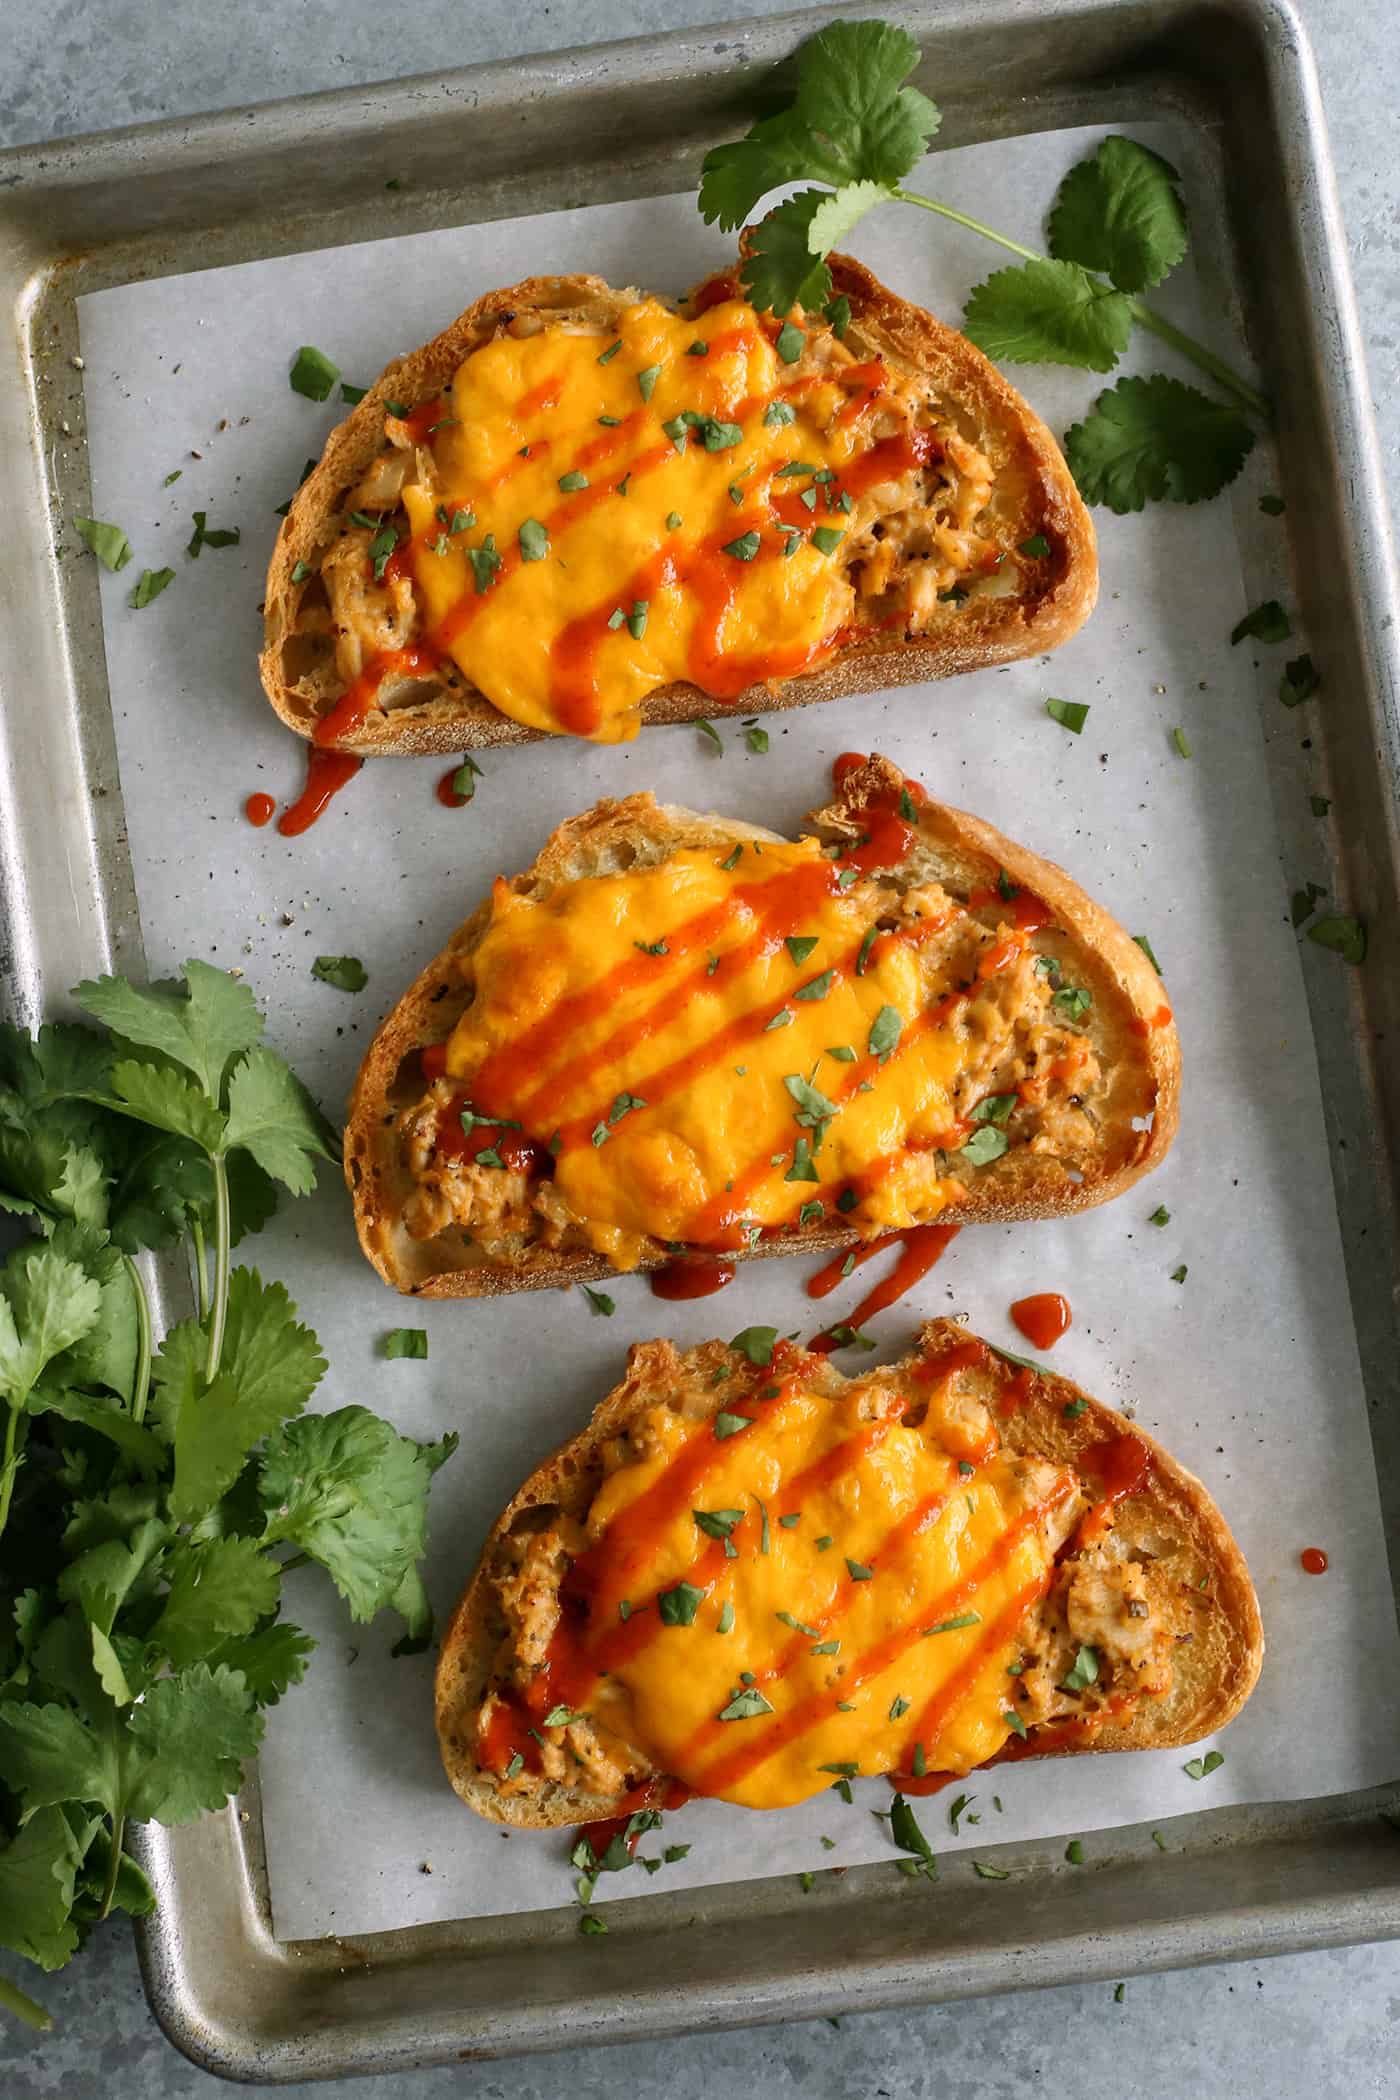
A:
[407,692]
[407,1083]
[538,1517]
[305,655]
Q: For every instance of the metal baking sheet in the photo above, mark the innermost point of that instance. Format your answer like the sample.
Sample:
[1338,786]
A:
[226,1989]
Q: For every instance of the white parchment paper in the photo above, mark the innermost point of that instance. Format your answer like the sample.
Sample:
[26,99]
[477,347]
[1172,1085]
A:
[1247,1370]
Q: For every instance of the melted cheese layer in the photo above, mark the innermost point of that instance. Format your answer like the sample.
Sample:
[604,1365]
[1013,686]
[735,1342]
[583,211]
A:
[814,1637]
[611,531]
[714,1043]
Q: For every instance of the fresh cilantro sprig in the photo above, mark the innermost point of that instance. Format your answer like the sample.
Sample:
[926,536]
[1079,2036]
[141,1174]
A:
[1117,228]
[154,1494]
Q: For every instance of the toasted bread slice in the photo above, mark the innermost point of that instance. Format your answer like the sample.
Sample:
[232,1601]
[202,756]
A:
[1165,1563]
[1028,553]
[1083,1146]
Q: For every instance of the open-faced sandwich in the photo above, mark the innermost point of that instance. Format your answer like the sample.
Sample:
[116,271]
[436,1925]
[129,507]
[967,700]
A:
[750,1576]
[578,509]
[679,1034]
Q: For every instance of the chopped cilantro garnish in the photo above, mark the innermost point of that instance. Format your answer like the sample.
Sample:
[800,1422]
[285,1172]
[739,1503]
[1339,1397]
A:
[1264,623]
[1070,714]
[406,1342]
[818,988]
[746,1705]
[678,1606]
[1083,1672]
[312,374]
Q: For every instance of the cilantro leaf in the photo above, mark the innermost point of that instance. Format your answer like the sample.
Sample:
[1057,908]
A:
[270,1660]
[350,1492]
[186,1743]
[850,91]
[202,1027]
[780,270]
[107,1417]
[1155,440]
[851,120]
[38,1869]
[46,1304]
[106,1354]
[1051,313]
[836,215]
[51,1756]
[157,1095]
[736,175]
[131,1891]
[101,1579]
[269,1370]
[1120,211]
[218,1590]
[160,1183]
[271,1115]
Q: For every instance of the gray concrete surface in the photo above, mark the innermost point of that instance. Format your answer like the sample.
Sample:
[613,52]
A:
[1306,2027]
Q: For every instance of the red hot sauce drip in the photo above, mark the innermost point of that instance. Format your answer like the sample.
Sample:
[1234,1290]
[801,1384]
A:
[1313,1560]
[922,1246]
[1042,1319]
[258,809]
[326,774]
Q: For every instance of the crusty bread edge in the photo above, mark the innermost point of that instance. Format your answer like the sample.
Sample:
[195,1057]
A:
[1039,1424]
[978,635]
[408,1027]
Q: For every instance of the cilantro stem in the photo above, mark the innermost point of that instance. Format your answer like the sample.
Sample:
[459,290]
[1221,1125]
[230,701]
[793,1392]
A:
[201,1267]
[960,218]
[114,1867]
[219,1307]
[1145,316]
[141,1383]
[1205,360]
[10,1466]
[25,2008]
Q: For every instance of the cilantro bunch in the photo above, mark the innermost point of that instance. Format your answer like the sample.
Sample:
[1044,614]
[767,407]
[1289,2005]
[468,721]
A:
[1117,228]
[153,1497]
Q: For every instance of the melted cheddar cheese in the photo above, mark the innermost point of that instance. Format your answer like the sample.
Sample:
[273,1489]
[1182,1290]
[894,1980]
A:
[717,1043]
[808,1578]
[589,515]
[827,1663]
